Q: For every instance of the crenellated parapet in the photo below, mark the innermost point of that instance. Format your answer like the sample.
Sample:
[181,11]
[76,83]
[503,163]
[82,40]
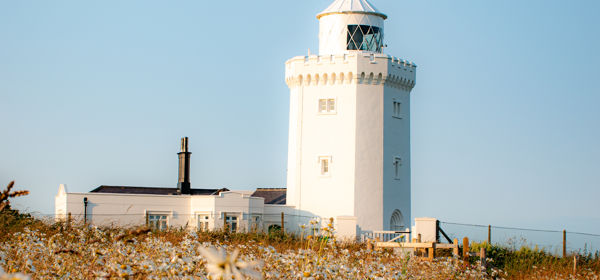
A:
[357,68]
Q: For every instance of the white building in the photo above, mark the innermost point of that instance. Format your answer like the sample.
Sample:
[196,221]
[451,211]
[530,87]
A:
[349,137]
[349,147]
[183,206]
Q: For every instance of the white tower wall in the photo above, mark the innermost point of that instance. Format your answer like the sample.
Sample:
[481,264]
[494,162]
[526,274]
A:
[365,140]
[362,138]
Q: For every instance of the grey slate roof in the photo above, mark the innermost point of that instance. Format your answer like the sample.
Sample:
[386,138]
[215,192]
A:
[149,190]
[271,195]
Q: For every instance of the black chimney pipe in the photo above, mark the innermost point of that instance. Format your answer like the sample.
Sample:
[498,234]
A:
[183,184]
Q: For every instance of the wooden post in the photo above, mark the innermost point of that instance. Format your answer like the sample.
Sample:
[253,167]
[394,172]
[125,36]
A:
[225,225]
[489,240]
[282,223]
[482,256]
[431,252]
[69,220]
[574,264]
[419,238]
[564,243]
[455,249]
[466,247]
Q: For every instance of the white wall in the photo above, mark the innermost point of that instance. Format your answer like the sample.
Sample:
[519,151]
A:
[361,137]
[126,210]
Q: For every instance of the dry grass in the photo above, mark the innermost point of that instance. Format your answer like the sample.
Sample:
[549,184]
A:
[56,250]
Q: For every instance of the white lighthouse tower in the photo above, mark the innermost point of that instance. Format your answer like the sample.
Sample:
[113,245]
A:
[349,135]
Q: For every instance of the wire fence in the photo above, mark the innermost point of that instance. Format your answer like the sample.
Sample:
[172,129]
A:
[516,237]
[513,237]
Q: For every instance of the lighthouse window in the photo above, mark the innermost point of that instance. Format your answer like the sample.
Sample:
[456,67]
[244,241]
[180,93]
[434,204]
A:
[397,113]
[324,165]
[364,38]
[397,166]
[327,106]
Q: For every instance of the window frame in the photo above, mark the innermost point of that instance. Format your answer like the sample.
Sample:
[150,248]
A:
[374,45]
[206,222]
[229,215]
[327,104]
[396,108]
[397,167]
[158,226]
[255,221]
[322,172]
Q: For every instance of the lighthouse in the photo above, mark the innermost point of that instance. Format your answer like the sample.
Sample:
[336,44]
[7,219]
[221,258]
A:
[349,123]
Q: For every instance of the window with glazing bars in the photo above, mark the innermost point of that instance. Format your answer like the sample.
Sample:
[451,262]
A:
[327,105]
[397,110]
[232,223]
[203,222]
[325,165]
[158,221]
[364,38]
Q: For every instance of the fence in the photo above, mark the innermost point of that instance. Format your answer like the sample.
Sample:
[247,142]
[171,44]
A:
[385,236]
[558,242]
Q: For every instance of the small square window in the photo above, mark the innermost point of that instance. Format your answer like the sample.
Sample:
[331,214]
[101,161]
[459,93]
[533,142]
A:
[330,105]
[397,167]
[325,165]
[397,110]
[327,106]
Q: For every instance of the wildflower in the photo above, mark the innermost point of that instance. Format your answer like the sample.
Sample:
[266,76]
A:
[15,276]
[223,266]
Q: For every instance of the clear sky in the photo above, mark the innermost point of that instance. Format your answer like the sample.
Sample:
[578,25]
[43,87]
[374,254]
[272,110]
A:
[505,113]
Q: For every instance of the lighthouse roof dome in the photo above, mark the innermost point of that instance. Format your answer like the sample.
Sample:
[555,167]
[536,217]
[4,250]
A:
[351,6]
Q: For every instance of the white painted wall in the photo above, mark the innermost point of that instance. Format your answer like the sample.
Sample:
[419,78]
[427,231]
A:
[361,137]
[126,210]
[427,228]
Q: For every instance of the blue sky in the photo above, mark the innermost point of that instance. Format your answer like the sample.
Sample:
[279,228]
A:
[505,118]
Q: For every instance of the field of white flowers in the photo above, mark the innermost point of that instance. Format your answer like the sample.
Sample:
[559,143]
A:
[85,253]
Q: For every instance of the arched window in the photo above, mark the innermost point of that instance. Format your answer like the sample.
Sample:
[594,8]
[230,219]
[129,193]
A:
[397,221]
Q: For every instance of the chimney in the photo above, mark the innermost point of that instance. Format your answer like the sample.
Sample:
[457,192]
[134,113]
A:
[183,184]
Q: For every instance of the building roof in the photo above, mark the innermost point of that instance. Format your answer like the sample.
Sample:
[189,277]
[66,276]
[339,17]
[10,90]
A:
[150,190]
[271,195]
[351,6]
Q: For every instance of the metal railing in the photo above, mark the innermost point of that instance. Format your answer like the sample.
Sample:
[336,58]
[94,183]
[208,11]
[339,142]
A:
[385,236]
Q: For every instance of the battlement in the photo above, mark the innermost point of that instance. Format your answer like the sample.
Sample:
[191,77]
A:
[355,68]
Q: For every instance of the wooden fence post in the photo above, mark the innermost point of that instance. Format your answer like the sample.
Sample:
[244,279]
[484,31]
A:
[69,220]
[489,240]
[431,252]
[455,249]
[564,243]
[482,257]
[466,247]
[574,264]
[282,223]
